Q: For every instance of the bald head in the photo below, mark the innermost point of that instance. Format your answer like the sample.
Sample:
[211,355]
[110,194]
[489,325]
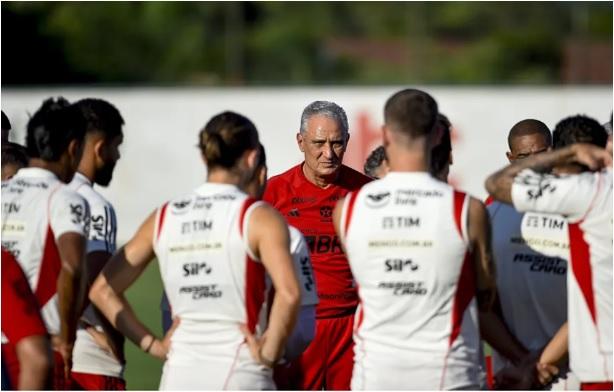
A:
[528,137]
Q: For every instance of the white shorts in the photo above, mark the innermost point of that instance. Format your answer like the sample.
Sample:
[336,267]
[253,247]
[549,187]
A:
[241,374]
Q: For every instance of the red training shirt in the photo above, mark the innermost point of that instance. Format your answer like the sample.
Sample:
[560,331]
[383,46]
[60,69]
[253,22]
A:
[310,209]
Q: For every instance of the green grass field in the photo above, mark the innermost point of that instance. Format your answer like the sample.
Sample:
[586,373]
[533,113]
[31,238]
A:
[142,370]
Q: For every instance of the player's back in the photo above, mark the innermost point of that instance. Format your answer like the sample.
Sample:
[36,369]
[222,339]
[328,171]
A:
[530,252]
[586,201]
[37,208]
[590,293]
[406,240]
[212,282]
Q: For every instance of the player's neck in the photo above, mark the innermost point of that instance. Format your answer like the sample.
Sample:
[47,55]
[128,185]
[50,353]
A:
[223,177]
[86,170]
[409,161]
[320,181]
[60,170]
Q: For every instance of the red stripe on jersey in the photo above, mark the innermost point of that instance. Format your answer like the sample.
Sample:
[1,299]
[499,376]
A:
[351,200]
[459,200]
[465,291]
[246,204]
[596,386]
[489,200]
[581,266]
[161,219]
[255,288]
[51,265]
[20,309]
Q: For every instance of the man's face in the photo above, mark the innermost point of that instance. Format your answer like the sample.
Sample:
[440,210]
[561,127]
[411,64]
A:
[324,144]
[107,157]
[527,145]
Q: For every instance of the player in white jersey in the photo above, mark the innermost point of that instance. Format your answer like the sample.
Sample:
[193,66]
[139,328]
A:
[408,238]
[586,201]
[98,355]
[530,252]
[214,246]
[304,330]
[45,223]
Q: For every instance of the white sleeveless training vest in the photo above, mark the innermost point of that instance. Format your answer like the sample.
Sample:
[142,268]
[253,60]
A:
[37,208]
[416,327]
[214,285]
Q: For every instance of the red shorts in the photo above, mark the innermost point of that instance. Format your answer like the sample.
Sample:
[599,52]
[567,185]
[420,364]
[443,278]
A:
[596,386]
[96,382]
[328,361]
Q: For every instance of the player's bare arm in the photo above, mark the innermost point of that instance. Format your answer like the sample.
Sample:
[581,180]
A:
[499,184]
[553,355]
[107,292]
[268,236]
[34,363]
[109,339]
[71,247]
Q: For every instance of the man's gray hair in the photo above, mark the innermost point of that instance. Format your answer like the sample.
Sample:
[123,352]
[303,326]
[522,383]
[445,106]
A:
[328,109]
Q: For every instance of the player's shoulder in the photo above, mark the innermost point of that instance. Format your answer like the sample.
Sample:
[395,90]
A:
[94,199]
[65,194]
[352,178]
[285,178]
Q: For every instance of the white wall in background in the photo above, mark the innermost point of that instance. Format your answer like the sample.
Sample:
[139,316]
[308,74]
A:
[160,159]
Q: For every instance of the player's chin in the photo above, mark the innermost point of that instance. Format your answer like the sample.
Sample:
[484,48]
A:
[328,168]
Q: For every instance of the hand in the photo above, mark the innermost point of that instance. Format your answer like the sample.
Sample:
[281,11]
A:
[65,350]
[255,347]
[159,348]
[99,337]
[513,378]
[522,375]
[546,372]
[592,156]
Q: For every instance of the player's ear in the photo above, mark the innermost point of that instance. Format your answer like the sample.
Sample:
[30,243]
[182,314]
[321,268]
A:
[251,158]
[385,136]
[75,151]
[99,151]
[300,140]
[510,156]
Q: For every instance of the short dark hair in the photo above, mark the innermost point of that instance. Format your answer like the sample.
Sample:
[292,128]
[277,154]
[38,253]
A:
[412,112]
[526,127]
[101,116]
[375,160]
[579,129]
[440,154]
[226,137]
[6,124]
[51,129]
[261,156]
[15,154]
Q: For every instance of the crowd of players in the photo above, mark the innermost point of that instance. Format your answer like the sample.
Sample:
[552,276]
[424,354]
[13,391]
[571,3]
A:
[321,277]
